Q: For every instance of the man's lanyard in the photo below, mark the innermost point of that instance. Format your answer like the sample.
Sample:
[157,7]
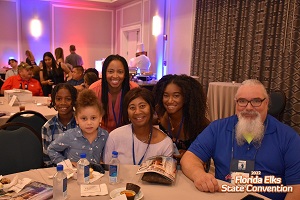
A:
[178,132]
[133,154]
[118,122]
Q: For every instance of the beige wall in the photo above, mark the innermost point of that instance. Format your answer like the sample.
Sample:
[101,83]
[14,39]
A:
[10,31]
[95,30]
[178,18]
[93,41]
[89,27]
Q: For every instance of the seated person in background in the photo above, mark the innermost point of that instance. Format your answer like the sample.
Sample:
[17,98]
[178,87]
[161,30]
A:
[87,137]
[111,89]
[14,68]
[252,137]
[89,78]
[77,76]
[23,81]
[92,70]
[138,140]
[63,98]
[181,109]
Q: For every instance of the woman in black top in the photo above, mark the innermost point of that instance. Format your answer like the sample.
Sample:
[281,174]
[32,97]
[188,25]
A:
[51,73]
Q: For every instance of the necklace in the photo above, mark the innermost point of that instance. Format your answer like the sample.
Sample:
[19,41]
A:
[144,141]
[170,131]
[173,127]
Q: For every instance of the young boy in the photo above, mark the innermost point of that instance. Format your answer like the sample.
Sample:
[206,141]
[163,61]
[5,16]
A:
[87,137]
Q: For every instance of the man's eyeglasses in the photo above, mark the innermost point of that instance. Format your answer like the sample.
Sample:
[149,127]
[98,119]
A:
[256,102]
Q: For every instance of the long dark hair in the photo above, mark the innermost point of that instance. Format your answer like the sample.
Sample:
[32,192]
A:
[194,105]
[54,66]
[145,94]
[125,84]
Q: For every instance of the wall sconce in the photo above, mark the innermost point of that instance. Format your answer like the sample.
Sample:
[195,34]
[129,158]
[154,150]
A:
[36,28]
[156,25]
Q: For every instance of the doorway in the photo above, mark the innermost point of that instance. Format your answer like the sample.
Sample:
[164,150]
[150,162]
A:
[130,37]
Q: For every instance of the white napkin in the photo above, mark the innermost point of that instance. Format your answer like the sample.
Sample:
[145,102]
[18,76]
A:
[16,184]
[96,176]
[12,183]
[120,197]
[68,168]
[93,190]
[67,165]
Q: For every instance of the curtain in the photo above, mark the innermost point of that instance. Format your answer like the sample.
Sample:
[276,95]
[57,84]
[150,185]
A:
[260,39]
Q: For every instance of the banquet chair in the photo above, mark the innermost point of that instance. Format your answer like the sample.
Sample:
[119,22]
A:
[16,125]
[20,150]
[277,104]
[30,117]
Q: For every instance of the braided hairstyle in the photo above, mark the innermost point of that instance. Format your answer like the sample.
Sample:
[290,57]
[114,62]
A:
[66,86]
[194,105]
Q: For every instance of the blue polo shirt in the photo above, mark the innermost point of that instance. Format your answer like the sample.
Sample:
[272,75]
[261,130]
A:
[278,154]
[75,82]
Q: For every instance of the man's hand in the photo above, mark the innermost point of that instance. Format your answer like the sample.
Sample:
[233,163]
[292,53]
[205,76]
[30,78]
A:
[206,183]
[193,168]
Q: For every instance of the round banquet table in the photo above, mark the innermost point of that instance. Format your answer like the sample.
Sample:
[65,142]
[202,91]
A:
[220,99]
[38,104]
[182,188]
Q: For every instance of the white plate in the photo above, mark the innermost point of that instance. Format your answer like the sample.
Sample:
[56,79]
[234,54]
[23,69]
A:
[116,192]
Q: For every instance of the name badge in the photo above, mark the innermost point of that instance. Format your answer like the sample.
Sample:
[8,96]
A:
[240,168]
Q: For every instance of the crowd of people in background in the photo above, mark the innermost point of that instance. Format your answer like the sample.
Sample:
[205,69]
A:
[97,116]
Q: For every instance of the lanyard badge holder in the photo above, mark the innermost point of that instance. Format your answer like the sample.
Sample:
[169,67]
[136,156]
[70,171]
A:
[240,168]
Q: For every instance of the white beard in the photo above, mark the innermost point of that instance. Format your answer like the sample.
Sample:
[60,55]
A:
[253,126]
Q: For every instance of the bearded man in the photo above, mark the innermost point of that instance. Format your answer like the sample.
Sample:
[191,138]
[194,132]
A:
[248,143]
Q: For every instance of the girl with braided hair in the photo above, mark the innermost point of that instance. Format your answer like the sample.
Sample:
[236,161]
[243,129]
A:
[63,98]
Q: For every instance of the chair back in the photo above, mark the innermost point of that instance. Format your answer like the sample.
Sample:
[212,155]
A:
[32,118]
[277,104]
[16,125]
[20,150]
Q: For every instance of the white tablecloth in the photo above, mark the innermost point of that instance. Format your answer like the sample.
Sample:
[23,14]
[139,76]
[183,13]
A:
[183,188]
[37,104]
[220,98]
